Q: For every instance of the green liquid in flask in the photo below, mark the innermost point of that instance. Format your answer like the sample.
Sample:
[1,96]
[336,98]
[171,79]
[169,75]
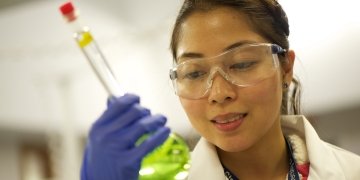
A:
[170,161]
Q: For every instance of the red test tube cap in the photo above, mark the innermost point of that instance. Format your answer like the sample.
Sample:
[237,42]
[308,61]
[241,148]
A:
[68,11]
[67,8]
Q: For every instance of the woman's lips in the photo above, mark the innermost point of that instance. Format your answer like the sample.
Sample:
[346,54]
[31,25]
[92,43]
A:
[229,122]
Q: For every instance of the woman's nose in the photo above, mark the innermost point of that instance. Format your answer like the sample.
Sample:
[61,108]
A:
[221,90]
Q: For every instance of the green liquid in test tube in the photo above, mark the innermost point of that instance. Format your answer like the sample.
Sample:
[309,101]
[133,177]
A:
[170,161]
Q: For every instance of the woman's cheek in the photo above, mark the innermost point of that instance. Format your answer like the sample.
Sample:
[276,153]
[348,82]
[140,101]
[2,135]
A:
[265,96]
[194,109]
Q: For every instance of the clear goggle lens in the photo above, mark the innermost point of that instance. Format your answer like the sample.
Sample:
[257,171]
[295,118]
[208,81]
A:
[243,66]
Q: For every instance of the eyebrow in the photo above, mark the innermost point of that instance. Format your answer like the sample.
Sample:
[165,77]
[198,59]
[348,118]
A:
[200,55]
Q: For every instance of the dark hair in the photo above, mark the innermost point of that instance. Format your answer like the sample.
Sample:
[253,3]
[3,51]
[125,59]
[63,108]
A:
[266,17]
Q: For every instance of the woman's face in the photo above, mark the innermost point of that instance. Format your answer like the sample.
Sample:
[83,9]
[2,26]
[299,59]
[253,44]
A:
[231,117]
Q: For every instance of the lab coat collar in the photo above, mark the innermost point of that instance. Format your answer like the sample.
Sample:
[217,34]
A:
[206,164]
[323,163]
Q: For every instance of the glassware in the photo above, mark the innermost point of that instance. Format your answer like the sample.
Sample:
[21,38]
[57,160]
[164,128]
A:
[167,162]
[245,65]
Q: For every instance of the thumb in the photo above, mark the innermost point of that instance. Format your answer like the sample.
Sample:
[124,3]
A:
[110,100]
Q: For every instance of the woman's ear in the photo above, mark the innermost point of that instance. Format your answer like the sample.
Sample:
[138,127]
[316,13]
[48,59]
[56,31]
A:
[288,67]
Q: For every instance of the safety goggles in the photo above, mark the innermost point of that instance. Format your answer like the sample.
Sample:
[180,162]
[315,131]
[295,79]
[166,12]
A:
[243,66]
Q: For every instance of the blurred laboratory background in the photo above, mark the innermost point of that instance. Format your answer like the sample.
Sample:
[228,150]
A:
[49,96]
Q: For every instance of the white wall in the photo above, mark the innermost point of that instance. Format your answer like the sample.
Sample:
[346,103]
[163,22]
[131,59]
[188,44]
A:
[37,52]
[35,63]
[325,35]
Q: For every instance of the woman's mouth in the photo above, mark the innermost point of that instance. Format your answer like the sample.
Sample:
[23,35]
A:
[228,122]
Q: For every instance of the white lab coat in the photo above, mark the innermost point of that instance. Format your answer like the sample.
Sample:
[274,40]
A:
[327,162]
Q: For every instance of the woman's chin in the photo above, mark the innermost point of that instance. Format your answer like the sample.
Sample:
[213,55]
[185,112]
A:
[233,146]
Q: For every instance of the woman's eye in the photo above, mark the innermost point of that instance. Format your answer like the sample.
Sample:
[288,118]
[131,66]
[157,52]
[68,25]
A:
[243,65]
[194,75]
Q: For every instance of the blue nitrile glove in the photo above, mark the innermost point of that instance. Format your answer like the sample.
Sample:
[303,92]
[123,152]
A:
[111,153]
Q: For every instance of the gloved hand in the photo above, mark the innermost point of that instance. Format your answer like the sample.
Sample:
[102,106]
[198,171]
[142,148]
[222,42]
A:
[111,153]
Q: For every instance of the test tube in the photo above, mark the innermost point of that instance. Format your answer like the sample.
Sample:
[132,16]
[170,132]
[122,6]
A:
[92,51]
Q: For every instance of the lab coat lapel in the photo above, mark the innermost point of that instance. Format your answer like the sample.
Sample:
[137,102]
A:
[323,163]
[206,163]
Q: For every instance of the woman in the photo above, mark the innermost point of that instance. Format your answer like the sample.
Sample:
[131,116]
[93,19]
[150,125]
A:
[232,72]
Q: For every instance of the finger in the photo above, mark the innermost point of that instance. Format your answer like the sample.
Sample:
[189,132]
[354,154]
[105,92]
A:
[128,137]
[133,115]
[118,106]
[152,142]
[146,125]
[117,127]
[113,99]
